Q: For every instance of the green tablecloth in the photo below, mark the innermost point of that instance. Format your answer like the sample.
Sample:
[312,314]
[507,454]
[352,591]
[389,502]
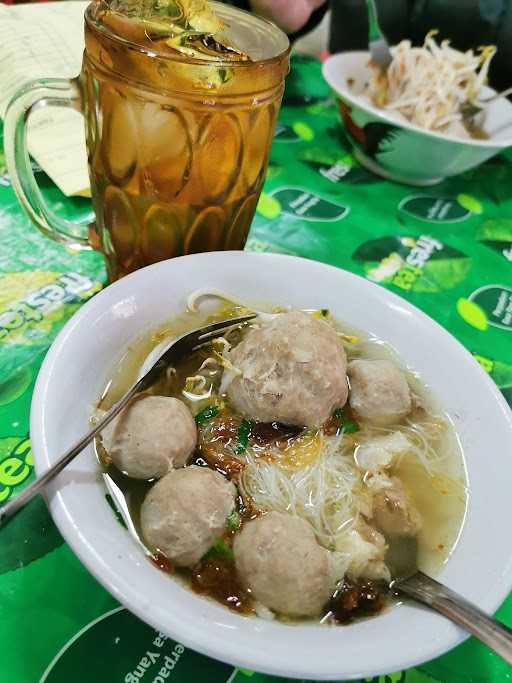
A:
[447,249]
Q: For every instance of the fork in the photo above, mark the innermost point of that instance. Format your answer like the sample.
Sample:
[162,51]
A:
[178,349]
[377,43]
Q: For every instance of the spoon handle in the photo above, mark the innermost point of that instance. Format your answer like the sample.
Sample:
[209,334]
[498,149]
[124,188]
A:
[374,32]
[495,635]
[13,506]
[505,93]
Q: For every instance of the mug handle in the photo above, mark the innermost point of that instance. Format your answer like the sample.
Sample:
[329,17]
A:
[54,92]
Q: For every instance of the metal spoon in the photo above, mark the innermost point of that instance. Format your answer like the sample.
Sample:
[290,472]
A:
[122,507]
[178,349]
[377,43]
[402,561]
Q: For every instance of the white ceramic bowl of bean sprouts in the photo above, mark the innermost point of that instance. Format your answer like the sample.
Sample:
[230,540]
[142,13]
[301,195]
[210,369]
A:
[411,124]
[282,628]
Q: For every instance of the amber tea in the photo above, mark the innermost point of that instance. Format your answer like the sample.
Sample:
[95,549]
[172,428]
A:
[180,99]
[180,130]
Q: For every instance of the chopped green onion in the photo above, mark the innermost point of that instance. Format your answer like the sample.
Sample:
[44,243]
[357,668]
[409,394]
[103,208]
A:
[324,312]
[347,425]
[221,547]
[233,521]
[243,437]
[207,414]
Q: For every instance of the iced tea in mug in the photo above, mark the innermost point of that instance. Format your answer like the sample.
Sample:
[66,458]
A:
[180,99]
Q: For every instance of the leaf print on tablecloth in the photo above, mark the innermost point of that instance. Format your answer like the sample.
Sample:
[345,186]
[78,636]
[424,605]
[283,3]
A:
[15,386]
[30,535]
[422,264]
[496,233]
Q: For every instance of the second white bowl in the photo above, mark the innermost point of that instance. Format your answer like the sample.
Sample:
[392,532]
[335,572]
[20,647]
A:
[401,151]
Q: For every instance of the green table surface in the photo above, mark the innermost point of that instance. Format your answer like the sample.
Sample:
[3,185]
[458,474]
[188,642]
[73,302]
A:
[447,249]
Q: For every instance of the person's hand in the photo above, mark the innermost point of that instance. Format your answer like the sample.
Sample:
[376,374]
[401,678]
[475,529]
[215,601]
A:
[290,15]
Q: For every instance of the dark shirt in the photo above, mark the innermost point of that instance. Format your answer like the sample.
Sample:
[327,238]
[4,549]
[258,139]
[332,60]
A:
[467,23]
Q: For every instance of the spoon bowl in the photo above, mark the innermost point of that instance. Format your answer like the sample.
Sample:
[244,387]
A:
[407,579]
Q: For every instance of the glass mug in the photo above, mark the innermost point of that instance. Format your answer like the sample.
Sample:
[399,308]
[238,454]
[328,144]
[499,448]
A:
[177,146]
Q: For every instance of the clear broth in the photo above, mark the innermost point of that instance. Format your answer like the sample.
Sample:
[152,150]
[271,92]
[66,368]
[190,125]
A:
[439,497]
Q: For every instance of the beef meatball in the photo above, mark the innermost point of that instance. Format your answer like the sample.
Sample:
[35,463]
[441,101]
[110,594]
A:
[185,512]
[394,512]
[293,370]
[278,558]
[151,436]
[379,392]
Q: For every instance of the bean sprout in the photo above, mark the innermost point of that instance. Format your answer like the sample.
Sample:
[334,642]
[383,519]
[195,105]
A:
[196,388]
[430,86]
[210,365]
[323,492]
